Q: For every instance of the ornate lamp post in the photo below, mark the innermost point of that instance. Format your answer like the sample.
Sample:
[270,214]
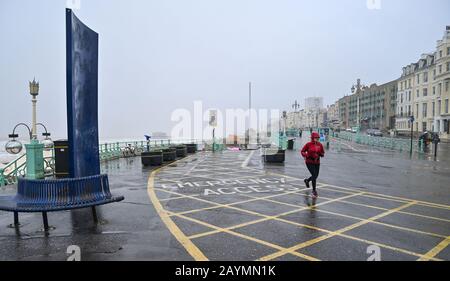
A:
[35,149]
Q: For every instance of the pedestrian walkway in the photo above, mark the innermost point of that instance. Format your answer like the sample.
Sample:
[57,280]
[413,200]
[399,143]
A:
[220,209]
[231,206]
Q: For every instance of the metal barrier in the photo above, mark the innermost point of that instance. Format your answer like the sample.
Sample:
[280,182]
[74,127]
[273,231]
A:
[383,142]
[108,151]
[18,168]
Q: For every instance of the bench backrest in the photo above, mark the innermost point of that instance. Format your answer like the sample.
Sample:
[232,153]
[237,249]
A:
[63,191]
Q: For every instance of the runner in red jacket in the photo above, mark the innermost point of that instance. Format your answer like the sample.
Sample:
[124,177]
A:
[311,152]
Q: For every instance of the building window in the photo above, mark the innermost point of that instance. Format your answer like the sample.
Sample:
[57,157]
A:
[417,110]
[409,110]
[424,110]
[446,86]
[439,107]
[440,68]
[418,78]
[446,106]
[440,89]
[448,66]
[417,93]
[401,98]
[434,90]
[433,109]
[448,51]
[440,54]
[425,77]
[425,92]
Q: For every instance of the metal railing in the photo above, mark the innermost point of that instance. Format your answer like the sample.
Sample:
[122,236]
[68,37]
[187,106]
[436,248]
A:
[18,168]
[383,142]
[108,151]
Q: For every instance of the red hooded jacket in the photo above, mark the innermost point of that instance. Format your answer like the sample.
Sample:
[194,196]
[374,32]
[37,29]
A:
[312,151]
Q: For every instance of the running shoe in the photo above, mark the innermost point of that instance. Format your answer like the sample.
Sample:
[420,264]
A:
[307,183]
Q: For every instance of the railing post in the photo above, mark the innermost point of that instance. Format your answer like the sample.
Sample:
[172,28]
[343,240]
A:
[2,177]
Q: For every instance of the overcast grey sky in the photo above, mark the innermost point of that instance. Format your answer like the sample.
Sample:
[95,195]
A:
[156,56]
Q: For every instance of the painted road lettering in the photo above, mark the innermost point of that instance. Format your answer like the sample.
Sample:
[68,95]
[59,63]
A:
[223,183]
[250,189]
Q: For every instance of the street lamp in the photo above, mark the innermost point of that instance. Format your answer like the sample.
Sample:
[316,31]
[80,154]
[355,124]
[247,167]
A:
[14,146]
[34,92]
[34,150]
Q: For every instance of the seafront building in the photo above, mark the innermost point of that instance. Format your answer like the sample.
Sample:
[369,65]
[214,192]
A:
[369,106]
[423,92]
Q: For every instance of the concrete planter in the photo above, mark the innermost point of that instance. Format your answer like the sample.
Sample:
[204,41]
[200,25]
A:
[152,158]
[181,150]
[274,155]
[191,147]
[169,154]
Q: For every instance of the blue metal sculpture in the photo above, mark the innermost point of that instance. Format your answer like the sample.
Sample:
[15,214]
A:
[82,97]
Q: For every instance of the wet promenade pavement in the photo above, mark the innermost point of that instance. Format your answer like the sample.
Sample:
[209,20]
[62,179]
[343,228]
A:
[231,206]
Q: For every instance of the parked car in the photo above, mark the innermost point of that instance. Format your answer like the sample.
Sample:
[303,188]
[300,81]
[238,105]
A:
[369,132]
[377,133]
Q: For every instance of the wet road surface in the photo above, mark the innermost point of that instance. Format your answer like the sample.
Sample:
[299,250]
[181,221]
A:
[231,206]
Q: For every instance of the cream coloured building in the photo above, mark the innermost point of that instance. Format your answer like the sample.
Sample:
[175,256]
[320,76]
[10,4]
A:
[423,92]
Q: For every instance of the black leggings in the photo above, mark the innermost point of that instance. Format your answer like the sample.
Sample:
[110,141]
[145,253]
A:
[314,170]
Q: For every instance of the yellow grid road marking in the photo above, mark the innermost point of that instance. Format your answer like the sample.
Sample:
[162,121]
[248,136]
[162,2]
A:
[428,256]
[230,206]
[358,218]
[381,208]
[379,195]
[265,217]
[219,205]
[436,250]
[262,242]
[400,199]
[334,233]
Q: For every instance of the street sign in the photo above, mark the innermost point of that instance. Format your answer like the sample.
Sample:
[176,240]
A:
[213,118]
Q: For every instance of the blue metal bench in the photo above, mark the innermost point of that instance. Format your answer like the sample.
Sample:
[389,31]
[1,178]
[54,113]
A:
[58,195]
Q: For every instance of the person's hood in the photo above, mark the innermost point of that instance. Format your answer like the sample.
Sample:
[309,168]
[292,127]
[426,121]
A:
[315,135]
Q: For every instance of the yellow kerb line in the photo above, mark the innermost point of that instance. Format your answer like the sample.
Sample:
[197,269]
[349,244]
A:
[340,231]
[173,228]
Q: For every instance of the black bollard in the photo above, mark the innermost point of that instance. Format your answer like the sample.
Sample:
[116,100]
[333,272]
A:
[435,149]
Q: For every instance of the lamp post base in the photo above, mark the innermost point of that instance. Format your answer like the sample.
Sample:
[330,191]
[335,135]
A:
[35,160]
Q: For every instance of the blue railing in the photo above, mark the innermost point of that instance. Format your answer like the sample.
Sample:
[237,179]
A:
[108,151]
[383,142]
